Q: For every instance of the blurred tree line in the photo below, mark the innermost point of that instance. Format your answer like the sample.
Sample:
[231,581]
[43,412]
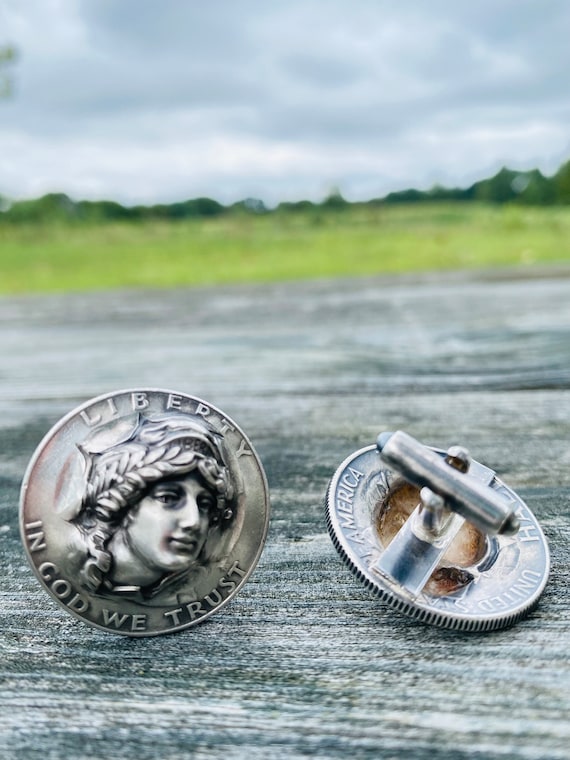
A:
[529,188]
[507,186]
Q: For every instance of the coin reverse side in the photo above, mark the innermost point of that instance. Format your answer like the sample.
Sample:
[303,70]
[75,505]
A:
[493,585]
[144,511]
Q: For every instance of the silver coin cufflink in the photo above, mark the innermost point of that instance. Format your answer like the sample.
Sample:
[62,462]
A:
[144,511]
[437,535]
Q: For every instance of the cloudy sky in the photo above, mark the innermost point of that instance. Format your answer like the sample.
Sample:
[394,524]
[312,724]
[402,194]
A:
[163,100]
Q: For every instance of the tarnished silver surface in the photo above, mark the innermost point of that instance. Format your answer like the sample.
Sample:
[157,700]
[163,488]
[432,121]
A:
[144,511]
[430,562]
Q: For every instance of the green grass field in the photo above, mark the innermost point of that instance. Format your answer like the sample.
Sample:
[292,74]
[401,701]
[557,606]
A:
[357,240]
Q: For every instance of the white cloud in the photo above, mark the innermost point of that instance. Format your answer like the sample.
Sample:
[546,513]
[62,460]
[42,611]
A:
[143,101]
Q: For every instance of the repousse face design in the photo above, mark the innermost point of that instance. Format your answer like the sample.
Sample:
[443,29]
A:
[169,527]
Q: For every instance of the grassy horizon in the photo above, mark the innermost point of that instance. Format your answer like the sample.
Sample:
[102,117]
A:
[280,246]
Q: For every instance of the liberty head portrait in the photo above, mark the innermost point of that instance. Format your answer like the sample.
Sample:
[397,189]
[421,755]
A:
[157,506]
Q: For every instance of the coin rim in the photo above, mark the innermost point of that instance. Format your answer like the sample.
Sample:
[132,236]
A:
[51,434]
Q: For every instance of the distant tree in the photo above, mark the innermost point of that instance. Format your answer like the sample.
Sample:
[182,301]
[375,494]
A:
[405,196]
[296,206]
[250,205]
[51,207]
[439,193]
[335,200]
[102,211]
[7,56]
[196,207]
[498,189]
[561,182]
[507,186]
[534,189]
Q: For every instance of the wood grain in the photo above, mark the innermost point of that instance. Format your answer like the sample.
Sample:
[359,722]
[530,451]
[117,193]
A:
[303,663]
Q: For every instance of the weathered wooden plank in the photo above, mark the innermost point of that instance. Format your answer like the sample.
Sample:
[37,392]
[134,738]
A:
[303,662]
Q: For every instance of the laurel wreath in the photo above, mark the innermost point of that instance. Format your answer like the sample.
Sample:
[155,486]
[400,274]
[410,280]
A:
[118,476]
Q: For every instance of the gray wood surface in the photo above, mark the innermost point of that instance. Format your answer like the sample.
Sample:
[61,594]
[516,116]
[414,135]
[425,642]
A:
[303,662]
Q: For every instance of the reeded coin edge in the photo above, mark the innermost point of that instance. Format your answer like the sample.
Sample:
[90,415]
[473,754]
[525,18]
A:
[450,621]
